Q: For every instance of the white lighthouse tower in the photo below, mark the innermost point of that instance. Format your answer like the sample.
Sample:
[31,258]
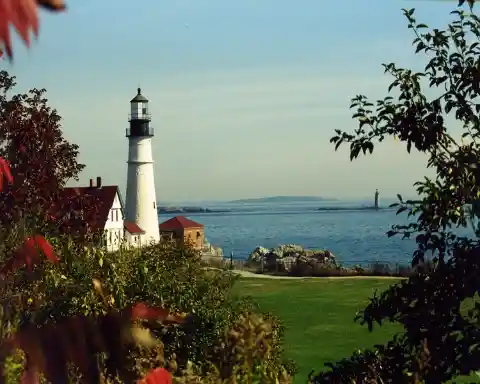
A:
[140,204]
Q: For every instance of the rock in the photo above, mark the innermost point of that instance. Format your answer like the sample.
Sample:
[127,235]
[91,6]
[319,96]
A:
[210,250]
[285,264]
[284,257]
[257,254]
[218,252]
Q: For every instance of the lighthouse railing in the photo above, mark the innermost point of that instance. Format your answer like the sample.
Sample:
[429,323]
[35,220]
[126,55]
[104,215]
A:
[140,116]
[140,131]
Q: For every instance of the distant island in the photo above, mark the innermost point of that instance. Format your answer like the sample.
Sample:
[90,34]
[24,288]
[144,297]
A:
[164,209]
[282,199]
[362,208]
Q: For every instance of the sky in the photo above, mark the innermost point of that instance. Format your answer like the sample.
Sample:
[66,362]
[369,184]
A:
[244,94]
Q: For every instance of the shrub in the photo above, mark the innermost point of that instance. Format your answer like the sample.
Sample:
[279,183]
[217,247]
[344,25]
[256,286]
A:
[249,352]
[162,275]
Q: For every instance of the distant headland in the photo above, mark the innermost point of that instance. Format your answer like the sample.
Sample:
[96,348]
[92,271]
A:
[168,210]
[282,199]
[362,208]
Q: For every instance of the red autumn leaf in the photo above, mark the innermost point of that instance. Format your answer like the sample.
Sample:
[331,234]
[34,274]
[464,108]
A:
[47,249]
[31,374]
[157,376]
[23,16]
[142,311]
[28,254]
[5,171]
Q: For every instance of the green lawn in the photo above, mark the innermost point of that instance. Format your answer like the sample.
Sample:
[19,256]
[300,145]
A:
[318,317]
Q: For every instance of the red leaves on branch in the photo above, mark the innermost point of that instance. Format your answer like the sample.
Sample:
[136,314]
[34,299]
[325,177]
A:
[5,172]
[51,348]
[41,160]
[23,16]
[29,254]
[157,376]
[142,311]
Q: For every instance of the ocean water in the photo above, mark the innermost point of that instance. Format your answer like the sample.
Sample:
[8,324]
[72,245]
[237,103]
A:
[353,234]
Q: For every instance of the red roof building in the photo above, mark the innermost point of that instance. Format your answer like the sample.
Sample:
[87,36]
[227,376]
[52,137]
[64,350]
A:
[99,201]
[132,228]
[102,210]
[183,231]
[179,222]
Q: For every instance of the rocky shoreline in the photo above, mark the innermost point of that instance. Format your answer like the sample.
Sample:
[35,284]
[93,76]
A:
[295,260]
[288,257]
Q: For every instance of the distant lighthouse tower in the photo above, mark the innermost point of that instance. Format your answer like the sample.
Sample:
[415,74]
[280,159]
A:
[376,202]
[141,202]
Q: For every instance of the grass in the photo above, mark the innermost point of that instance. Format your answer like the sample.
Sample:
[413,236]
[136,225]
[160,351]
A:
[318,317]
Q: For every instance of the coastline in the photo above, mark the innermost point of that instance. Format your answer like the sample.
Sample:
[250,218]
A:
[240,228]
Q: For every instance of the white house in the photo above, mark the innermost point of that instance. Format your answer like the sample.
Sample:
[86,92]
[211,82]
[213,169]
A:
[134,235]
[106,202]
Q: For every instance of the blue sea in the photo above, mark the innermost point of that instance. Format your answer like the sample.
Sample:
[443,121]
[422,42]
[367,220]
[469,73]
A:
[354,235]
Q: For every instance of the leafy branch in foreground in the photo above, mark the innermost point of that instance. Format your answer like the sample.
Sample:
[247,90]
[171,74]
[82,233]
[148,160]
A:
[79,340]
[441,337]
[23,16]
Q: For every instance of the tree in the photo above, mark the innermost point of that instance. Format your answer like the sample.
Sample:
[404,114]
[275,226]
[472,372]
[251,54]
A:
[441,336]
[40,159]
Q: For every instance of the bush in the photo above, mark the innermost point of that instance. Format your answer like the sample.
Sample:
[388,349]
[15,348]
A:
[160,275]
[249,352]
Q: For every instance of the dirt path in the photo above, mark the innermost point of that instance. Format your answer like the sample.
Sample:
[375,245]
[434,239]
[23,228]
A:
[247,274]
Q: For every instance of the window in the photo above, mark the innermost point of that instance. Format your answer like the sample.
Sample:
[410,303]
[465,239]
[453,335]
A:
[112,214]
[153,205]
[116,215]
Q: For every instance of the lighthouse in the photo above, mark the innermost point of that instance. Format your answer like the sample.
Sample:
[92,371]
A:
[141,202]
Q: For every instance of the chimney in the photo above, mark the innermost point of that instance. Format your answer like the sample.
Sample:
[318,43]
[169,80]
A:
[99,182]
[91,183]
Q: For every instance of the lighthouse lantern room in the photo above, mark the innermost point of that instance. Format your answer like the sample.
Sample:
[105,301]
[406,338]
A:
[140,201]
[139,117]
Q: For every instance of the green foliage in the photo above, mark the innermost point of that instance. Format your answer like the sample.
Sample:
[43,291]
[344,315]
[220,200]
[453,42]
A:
[440,339]
[161,275]
[249,352]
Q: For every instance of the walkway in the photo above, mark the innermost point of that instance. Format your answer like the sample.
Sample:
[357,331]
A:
[249,275]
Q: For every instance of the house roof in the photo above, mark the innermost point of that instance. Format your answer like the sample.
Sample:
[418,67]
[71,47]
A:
[132,228]
[100,201]
[179,222]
